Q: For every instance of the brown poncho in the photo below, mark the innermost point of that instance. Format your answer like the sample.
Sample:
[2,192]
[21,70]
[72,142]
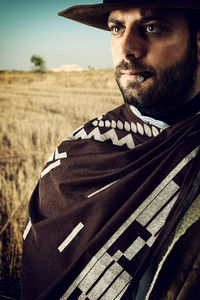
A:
[107,200]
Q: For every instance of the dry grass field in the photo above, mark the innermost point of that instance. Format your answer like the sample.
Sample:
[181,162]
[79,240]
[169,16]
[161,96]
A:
[38,111]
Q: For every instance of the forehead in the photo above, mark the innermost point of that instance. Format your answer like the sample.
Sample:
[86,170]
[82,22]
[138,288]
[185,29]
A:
[174,15]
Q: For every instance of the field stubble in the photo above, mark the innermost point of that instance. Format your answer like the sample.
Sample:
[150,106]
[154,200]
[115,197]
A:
[38,111]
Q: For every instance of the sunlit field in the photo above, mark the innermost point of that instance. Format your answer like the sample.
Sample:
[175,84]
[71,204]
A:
[38,111]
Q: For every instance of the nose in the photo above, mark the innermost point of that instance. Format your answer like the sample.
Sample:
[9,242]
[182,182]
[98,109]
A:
[132,45]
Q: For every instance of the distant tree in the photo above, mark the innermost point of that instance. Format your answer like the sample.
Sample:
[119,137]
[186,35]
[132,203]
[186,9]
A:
[39,63]
[90,68]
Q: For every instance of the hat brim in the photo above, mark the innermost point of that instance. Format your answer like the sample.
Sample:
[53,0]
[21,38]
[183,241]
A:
[96,15]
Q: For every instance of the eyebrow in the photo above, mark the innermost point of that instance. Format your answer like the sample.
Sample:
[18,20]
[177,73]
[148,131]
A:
[154,18]
[114,21]
[143,20]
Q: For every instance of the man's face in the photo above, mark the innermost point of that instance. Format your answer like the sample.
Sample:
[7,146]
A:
[154,57]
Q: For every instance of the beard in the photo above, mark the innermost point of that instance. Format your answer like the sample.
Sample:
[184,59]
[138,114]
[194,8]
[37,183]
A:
[171,86]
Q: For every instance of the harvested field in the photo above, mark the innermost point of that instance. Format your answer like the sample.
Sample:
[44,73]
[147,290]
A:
[38,111]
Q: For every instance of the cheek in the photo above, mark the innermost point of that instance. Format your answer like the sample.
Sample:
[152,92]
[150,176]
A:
[115,53]
[168,53]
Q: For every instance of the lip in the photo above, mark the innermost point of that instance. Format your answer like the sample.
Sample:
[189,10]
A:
[132,75]
[130,72]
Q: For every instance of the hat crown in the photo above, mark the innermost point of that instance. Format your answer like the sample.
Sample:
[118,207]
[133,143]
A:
[129,1]
[96,14]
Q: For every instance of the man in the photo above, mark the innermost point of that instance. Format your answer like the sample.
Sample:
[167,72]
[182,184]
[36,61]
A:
[115,214]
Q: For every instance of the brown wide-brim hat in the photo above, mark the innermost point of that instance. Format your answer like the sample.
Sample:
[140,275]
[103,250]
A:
[96,15]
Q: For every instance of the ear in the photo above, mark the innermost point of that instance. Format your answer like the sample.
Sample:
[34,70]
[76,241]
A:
[198,46]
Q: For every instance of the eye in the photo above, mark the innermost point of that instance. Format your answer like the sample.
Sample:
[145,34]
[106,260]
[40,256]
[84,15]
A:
[153,28]
[115,30]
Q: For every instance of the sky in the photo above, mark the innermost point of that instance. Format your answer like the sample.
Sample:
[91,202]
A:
[33,27]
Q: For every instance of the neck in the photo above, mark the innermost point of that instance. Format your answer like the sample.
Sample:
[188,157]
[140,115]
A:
[187,110]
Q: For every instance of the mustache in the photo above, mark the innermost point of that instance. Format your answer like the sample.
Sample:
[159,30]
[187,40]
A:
[132,65]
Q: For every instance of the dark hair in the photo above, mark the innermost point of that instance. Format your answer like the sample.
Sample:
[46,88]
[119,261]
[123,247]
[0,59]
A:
[193,17]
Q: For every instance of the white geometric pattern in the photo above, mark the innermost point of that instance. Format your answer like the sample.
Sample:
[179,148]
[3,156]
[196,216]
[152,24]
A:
[127,126]
[70,237]
[27,229]
[87,281]
[140,128]
[134,127]
[58,156]
[155,131]
[147,130]
[110,134]
[102,189]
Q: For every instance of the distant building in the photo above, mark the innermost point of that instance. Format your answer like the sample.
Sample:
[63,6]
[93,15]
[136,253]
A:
[68,68]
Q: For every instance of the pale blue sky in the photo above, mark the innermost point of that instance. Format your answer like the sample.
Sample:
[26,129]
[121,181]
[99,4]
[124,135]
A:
[33,27]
